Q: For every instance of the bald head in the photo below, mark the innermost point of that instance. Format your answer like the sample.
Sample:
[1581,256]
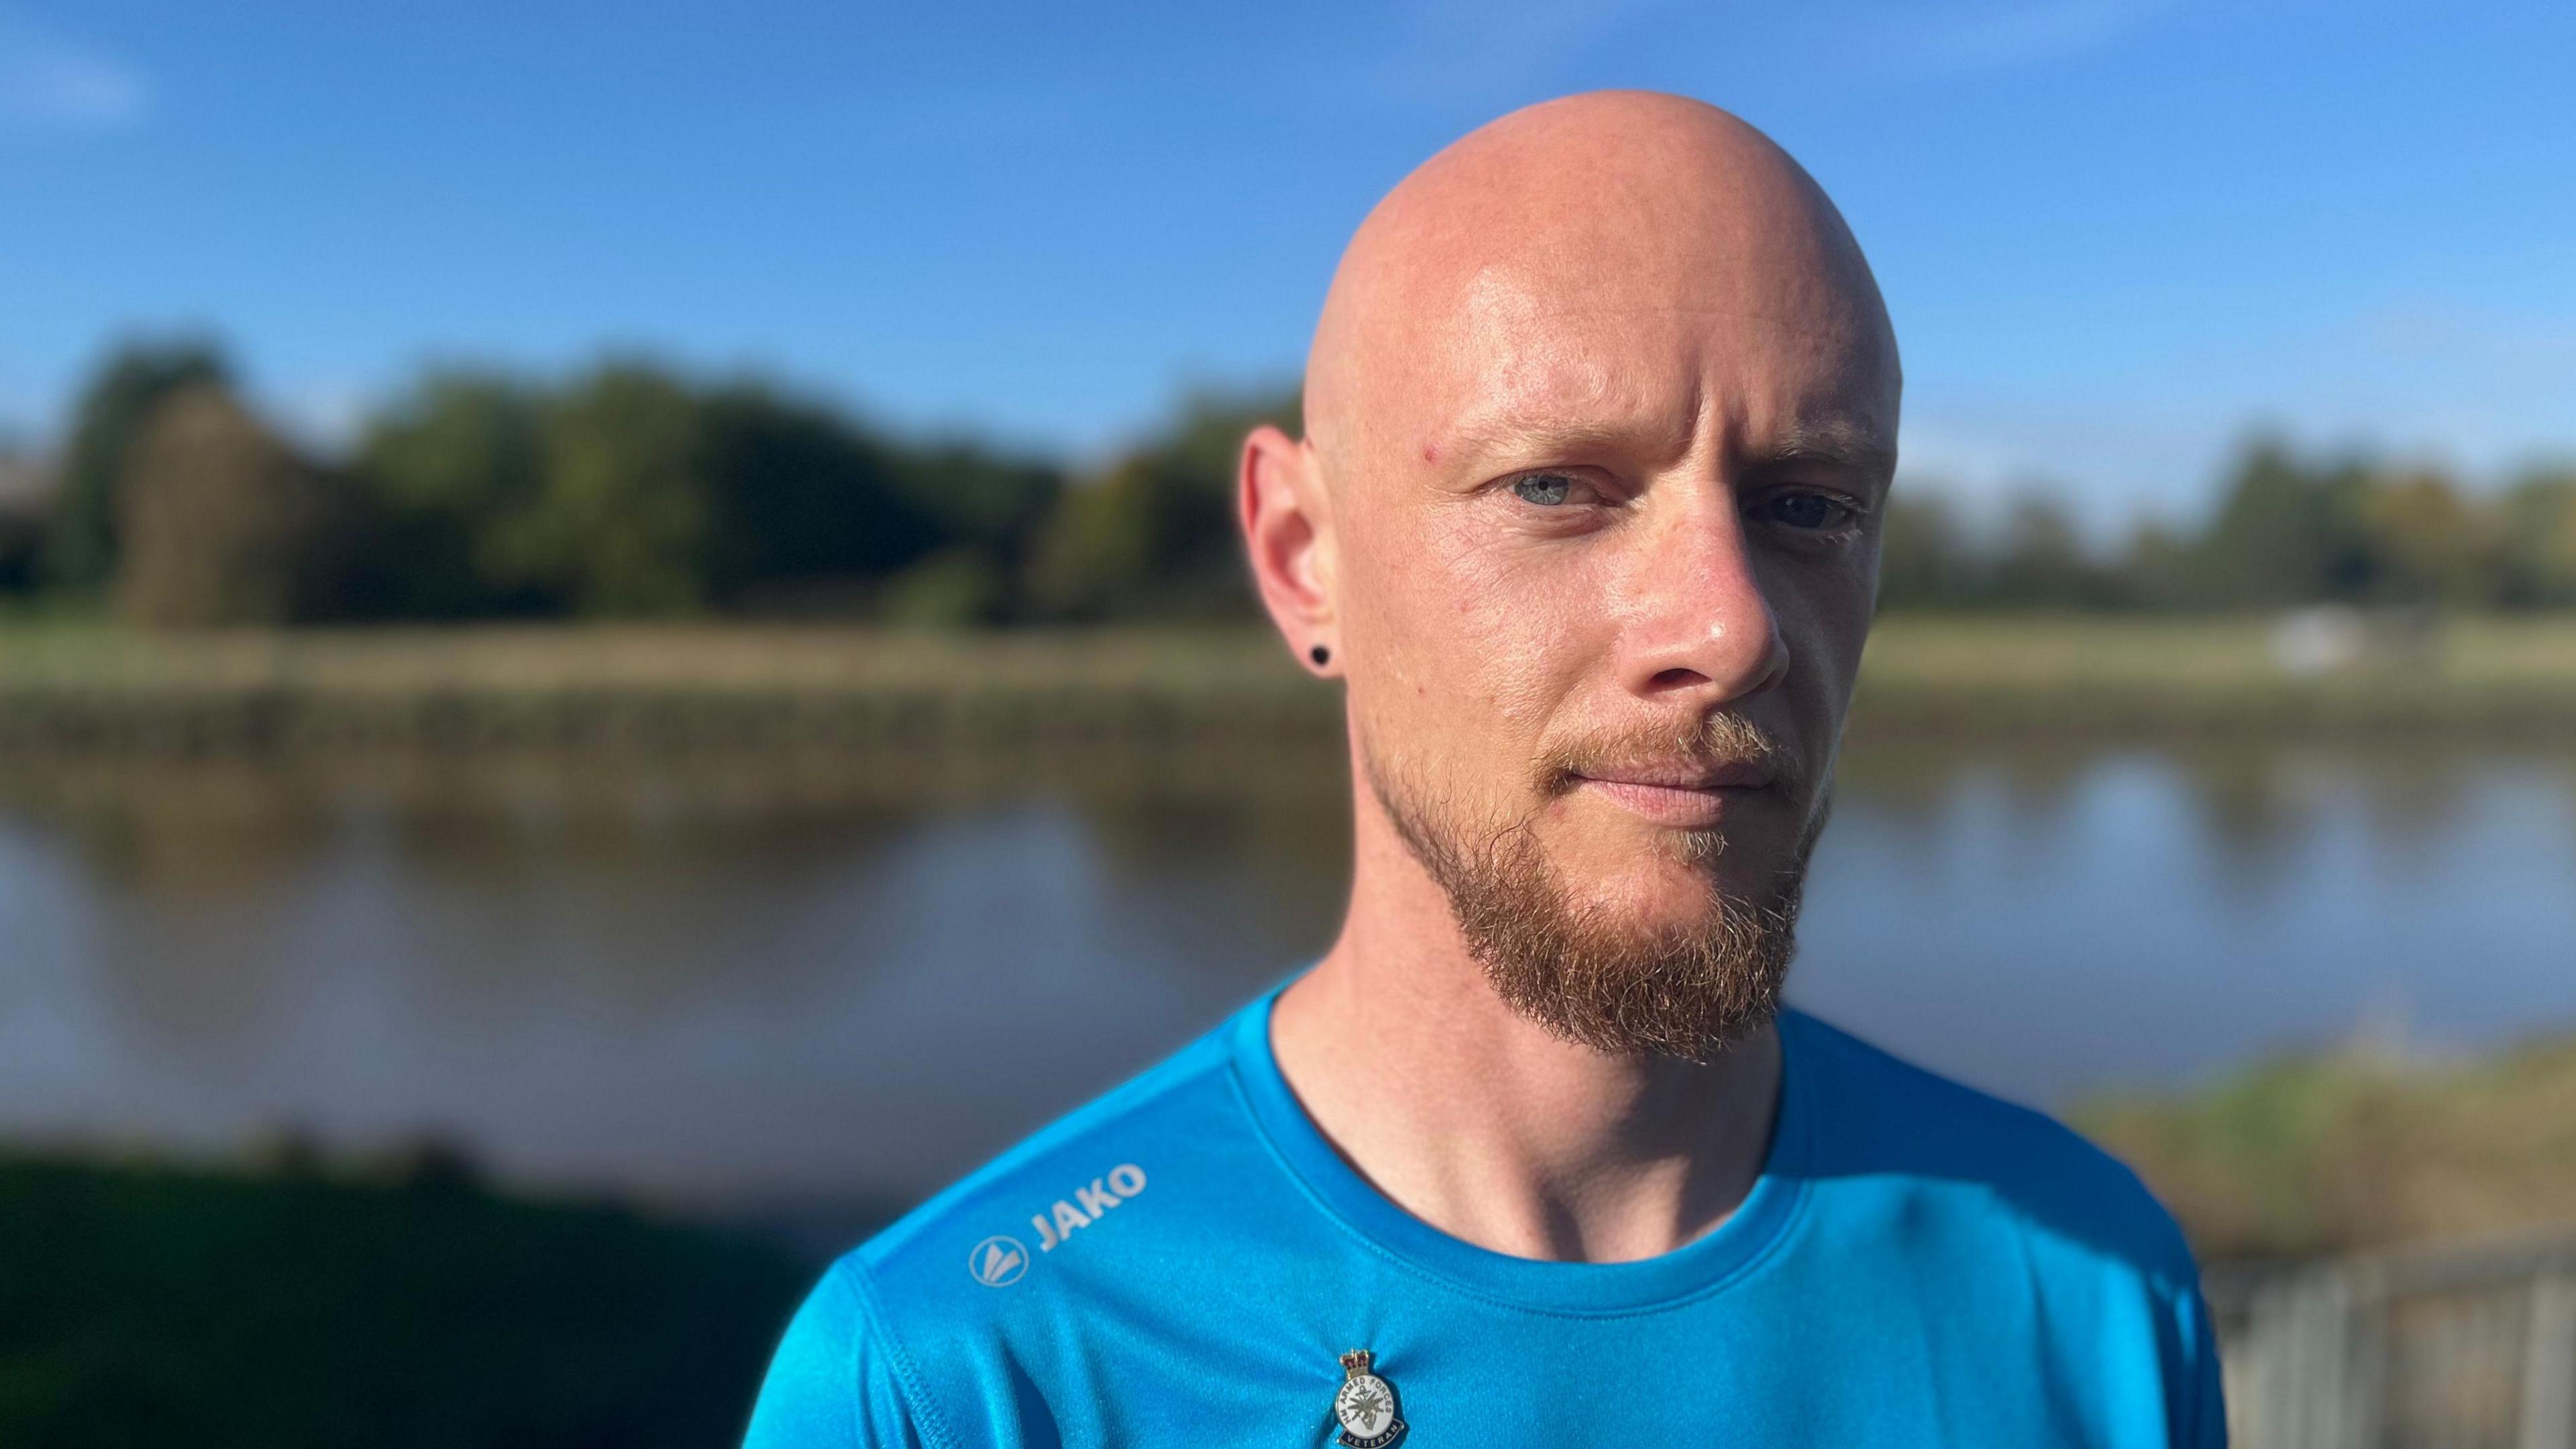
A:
[1614,202]
[1600,417]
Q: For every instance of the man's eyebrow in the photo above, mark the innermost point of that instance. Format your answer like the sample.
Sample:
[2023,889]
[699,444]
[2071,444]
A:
[1489,436]
[1832,441]
[1827,442]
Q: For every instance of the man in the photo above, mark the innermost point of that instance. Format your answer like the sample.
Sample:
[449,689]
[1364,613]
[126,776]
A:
[1601,415]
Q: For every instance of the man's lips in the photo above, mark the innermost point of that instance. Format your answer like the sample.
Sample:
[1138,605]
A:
[1685,796]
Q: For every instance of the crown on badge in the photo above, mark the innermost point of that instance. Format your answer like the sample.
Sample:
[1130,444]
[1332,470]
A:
[1357,1361]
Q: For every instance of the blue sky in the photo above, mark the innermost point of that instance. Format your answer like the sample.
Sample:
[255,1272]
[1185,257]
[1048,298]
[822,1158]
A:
[2115,233]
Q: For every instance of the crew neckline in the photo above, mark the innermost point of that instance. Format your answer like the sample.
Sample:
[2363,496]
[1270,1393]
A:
[1704,1265]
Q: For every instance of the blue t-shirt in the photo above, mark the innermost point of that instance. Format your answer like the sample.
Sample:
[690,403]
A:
[1186,1260]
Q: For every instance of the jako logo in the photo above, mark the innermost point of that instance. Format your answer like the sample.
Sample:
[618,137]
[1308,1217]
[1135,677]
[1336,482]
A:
[1089,1205]
[998,1261]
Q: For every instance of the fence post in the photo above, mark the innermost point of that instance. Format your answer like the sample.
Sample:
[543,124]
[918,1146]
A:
[2549,1364]
[2300,1343]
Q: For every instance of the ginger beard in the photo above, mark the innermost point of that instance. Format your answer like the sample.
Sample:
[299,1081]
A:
[1689,989]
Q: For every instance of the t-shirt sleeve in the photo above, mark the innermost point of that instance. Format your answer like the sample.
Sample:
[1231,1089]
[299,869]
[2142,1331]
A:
[834,1383]
[2202,1424]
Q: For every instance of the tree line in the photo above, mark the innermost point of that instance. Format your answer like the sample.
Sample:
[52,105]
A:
[2287,529]
[627,490]
[634,490]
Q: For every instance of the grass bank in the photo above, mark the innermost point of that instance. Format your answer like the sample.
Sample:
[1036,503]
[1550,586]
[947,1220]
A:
[90,687]
[158,1305]
[2356,1148]
[2210,676]
[651,688]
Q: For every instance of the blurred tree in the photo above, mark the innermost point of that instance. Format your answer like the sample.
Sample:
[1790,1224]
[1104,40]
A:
[2155,568]
[26,501]
[992,507]
[2041,561]
[622,518]
[805,506]
[1155,536]
[81,547]
[22,550]
[220,523]
[445,469]
[1924,561]
[2286,532]
[950,589]
[2537,518]
[2428,544]
[632,490]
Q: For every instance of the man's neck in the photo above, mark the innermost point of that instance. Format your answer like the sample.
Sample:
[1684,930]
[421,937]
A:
[1483,1125]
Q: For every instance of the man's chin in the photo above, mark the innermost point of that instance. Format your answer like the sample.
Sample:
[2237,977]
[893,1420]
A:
[1648,895]
[1623,938]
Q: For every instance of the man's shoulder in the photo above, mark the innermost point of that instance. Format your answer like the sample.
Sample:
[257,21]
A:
[1885,1120]
[923,1313]
[1070,1175]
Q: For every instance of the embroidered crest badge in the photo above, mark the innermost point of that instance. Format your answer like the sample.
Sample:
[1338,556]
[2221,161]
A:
[1366,1405]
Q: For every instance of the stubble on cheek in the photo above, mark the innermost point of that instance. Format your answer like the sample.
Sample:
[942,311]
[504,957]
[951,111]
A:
[1455,748]
[1588,972]
[1467,641]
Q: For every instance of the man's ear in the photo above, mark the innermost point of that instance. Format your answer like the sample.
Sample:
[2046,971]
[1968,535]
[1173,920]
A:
[1287,532]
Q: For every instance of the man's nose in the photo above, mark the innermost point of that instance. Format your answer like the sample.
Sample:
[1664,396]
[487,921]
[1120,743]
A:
[1695,614]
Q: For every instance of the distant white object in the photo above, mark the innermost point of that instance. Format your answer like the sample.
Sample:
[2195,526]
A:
[2320,640]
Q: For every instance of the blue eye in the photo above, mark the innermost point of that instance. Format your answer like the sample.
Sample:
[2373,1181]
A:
[1544,489]
[1804,511]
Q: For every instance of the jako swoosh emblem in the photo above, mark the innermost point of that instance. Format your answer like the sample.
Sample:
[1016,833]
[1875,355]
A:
[998,1261]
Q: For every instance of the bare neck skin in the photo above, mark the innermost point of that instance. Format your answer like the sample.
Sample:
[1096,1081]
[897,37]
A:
[1479,1123]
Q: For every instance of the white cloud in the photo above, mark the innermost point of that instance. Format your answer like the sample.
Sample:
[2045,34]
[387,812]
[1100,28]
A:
[51,83]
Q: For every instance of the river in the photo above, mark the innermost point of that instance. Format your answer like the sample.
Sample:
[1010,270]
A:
[740,984]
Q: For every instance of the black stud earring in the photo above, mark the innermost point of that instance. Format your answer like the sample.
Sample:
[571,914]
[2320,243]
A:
[1319,654]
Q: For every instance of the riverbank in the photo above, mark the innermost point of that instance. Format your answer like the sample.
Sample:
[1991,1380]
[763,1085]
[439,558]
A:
[2358,1147]
[92,688]
[147,1303]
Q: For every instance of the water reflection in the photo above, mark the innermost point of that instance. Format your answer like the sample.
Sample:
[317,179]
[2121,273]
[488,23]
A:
[2151,915]
[810,977]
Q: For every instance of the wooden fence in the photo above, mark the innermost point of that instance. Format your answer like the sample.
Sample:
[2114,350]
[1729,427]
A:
[2462,1346]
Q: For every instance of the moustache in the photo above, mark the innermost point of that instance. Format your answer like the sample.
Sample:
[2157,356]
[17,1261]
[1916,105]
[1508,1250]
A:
[1721,745]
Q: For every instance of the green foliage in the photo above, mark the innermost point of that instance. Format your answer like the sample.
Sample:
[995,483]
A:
[796,494]
[949,589]
[81,548]
[2043,560]
[2286,530]
[2283,533]
[22,520]
[1154,536]
[22,551]
[982,500]
[1923,557]
[156,1306]
[442,468]
[622,520]
[1928,559]
[2538,524]
[635,491]
[221,523]
[2356,1147]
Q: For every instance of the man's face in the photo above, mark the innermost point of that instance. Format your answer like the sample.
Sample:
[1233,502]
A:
[1607,558]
